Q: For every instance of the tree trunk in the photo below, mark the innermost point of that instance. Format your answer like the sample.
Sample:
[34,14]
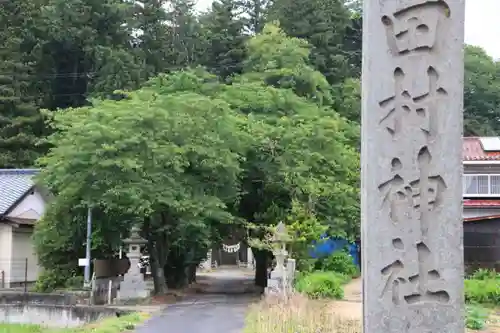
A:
[159,281]
[192,273]
[261,259]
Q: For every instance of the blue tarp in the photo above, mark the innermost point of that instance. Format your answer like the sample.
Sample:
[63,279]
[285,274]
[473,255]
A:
[328,245]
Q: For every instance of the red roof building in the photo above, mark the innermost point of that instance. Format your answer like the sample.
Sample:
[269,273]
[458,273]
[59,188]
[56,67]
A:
[481,183]
[481,202]
[473,149]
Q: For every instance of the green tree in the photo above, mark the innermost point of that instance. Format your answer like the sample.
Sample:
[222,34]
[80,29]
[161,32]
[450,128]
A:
[348,99]
[302,152]
[282,61]
[353,41]
[187,39]
[226,42]
[256,12]
[169,161]
[21,125]
[481,93]
[194,160]
[151,39]
[323,24]
[84,47]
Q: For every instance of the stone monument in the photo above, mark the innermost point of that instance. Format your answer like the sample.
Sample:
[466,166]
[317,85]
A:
[412,166]
[291,266]
[206,264]
[133,285]
[250,259]
[277,283]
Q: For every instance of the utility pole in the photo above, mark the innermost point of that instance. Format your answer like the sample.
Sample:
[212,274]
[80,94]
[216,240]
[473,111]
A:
[88,247]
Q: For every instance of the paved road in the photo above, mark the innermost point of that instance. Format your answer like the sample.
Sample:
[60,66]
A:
[205,314]
[221,309]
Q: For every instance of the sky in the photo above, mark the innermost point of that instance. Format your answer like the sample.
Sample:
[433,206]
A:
[478,13]
[483,13]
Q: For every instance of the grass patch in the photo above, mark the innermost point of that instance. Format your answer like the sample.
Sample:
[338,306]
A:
[476,317]
[482,288]
[15,328]
[299,314]
[108,325]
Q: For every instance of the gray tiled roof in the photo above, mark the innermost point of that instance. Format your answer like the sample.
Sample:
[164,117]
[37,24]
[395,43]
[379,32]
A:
[14,183]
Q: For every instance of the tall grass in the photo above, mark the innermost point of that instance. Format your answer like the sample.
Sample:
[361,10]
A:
[298,314]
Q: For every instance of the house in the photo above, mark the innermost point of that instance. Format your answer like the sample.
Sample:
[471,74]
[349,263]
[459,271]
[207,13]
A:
[481,193]
[22,203]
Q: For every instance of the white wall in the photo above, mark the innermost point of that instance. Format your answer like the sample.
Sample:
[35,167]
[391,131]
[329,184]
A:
[18,240]
[31,208]
[5,252]
[24,259]
[478,212]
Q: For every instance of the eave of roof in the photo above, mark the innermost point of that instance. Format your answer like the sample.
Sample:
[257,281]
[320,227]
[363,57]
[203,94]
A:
[481,203]
[481,218]
[14,184]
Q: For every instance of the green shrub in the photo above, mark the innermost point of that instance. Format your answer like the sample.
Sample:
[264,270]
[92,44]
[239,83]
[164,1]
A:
[49,280]
[74,282]
[485,274]
[321,284]
[306,264]
[340,262]
[482,291]
[476,318]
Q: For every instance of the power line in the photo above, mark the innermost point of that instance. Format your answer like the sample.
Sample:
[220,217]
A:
[93,73]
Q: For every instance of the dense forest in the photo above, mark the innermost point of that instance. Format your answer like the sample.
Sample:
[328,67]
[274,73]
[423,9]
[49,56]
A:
[192,124]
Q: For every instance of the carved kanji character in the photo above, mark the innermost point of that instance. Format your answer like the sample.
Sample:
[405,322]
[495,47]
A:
[415,28]
[403,109]
[417,288]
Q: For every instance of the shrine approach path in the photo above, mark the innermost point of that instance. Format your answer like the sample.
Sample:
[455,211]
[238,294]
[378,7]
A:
[220,309]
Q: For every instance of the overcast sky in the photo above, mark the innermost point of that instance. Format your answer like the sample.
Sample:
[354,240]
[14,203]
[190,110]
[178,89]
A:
[483,13]
[478,13]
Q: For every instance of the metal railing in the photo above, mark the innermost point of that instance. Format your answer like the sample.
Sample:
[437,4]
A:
[17,273]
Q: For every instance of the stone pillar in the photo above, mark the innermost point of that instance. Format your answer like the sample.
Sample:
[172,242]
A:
[133,285]
[412,166]
[207,263]
[277,283]
[291,266]
[250,258]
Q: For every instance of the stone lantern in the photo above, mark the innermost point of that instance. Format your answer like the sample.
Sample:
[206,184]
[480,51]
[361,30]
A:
[133,285]
[277,283]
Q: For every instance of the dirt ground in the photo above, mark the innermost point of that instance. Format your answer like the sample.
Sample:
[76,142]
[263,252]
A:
[351,306]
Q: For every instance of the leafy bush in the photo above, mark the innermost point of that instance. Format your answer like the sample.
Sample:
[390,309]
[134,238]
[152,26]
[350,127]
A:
[74,282]
[49,280]
[321,284]
[483,287]
[476,318]
[306,264]
[482,291]
[485,274]
[339,262]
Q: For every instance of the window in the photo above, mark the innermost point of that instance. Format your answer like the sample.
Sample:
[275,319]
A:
[481,185]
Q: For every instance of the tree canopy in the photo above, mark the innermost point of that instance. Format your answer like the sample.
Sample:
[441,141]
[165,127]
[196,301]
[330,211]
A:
[188,153]
[193,125]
